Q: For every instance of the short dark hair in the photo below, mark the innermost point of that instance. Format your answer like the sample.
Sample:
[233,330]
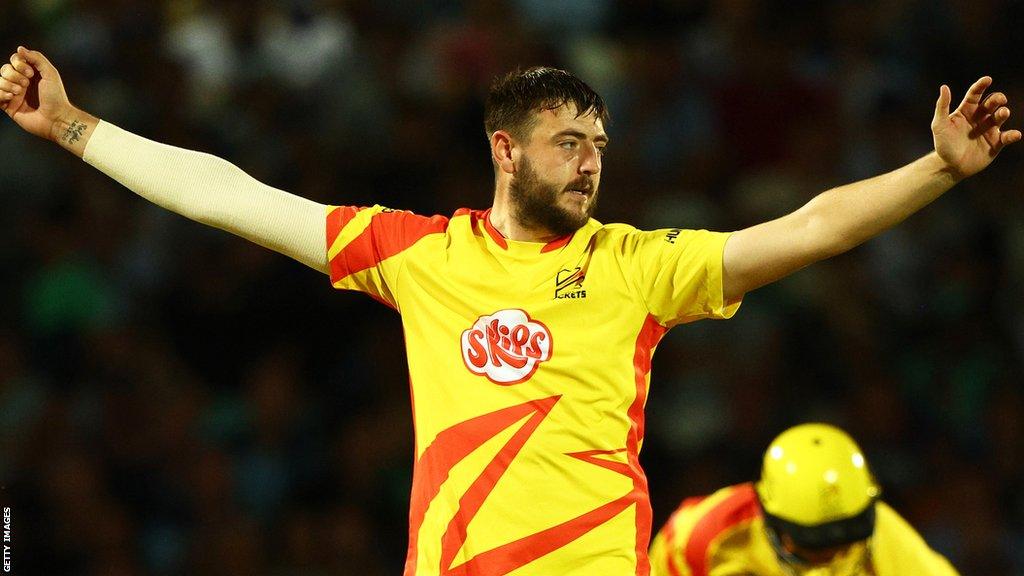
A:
[514,97]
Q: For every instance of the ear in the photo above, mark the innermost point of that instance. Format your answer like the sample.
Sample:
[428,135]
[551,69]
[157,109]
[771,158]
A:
[504,151]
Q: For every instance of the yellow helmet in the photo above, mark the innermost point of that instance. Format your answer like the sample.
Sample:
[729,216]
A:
[816,487]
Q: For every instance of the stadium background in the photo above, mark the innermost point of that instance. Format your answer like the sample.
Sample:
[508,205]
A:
[174,400]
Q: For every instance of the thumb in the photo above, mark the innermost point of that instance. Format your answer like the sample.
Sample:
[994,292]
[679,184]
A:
[942,104]
[39,62]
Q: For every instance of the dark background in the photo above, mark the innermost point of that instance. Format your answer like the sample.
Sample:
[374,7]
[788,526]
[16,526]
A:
[174,400]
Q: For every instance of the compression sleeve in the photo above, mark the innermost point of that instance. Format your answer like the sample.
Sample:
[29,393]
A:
[212,191]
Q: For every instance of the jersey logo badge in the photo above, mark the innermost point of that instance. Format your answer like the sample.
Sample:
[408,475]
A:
[569,283]
[506,346]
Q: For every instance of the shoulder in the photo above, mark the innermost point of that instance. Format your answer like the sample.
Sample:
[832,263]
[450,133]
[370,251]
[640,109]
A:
[888,520]
[621,239]
[891,527]
[608,232]
[340,218]
[699,524]
[897,548]
[362,236]
[721,512]
[633,239]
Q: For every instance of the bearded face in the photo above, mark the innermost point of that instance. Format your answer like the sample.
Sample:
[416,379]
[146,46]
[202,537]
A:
[560,209]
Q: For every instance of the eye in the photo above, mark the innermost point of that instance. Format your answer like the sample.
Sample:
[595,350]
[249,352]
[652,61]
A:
[568,145]
[602,150]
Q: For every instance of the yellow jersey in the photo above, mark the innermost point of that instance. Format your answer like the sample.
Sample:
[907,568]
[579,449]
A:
[724,535]
[529,369]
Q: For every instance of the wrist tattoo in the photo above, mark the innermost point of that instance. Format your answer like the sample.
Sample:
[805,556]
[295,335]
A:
[73,133]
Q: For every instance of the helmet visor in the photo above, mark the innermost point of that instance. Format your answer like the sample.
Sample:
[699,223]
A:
[828,535]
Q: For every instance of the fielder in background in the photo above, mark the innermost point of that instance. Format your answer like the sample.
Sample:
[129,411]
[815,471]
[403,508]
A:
[815,511]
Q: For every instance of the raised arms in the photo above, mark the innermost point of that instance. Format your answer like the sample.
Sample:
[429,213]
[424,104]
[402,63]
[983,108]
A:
[966,141]
[196,185]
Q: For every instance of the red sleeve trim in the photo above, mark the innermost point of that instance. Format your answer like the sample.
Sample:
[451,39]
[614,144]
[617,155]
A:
[738,507]
[388,234]
[337,219]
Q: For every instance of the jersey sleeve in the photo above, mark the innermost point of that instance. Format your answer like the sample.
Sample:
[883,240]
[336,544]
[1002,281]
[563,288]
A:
[679,274]
[692,541]
[666,558]
[896,548]
[211,190]
[366,245]
[668,550]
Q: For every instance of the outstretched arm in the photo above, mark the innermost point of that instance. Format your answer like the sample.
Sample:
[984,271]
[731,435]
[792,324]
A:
[966,141]
[196,185]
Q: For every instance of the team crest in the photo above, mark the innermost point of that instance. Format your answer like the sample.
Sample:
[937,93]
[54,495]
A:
[506,346]
[569,283]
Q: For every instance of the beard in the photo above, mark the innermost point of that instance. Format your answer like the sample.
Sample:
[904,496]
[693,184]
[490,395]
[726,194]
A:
[535,204]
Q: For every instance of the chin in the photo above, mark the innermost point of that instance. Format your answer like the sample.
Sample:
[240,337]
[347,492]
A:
[582,213]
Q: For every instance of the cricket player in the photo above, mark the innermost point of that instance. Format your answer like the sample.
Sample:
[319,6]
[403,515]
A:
[529,326]
[814,512]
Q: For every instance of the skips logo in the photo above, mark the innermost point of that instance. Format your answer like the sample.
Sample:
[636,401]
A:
[569,283]
[506,346]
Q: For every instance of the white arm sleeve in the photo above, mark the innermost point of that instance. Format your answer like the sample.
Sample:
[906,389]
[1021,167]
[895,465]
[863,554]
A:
[213,191]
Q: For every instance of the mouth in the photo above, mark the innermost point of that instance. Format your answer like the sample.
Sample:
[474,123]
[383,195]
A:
[586,193]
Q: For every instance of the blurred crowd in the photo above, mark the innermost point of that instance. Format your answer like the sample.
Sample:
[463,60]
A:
[174,400]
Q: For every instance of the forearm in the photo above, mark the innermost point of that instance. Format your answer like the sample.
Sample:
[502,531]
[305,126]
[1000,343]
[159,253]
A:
[830,224]
[203,188]
[843,217]
[965,140]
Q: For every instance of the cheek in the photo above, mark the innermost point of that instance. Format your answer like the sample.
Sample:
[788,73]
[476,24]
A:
[556,172]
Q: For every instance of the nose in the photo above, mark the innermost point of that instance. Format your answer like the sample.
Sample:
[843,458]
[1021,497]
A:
[590,159]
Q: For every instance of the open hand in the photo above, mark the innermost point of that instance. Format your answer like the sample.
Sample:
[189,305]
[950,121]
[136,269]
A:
[970,138]
[32,93]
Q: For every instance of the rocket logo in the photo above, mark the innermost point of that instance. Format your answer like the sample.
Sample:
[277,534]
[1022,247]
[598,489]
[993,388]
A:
[569,284]
[506,346]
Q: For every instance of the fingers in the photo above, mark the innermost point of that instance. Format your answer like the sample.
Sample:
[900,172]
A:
[990,129]
[942,104]
[993,101]
[10,87]
[36,60]
[990,107]
[1004,137]
[12,83]
[10,74]
[999,140]
[1000,116]
[19,64]
[974,94]
[990,115]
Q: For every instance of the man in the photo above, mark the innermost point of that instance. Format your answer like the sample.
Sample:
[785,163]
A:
[815,511]
[529,326]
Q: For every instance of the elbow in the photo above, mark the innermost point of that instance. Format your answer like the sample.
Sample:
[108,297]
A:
[824,238]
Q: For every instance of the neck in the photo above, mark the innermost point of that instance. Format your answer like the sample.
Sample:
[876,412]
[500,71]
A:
[504,221]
